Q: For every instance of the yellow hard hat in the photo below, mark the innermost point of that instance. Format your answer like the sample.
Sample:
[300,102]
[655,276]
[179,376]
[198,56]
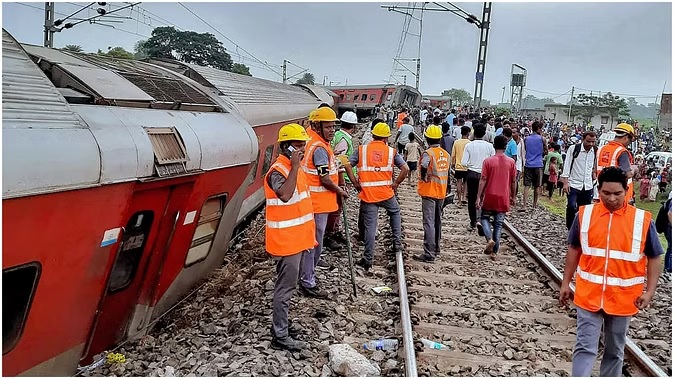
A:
[322,114]
[381,130]
[624,128]
[433,132]
[292,132]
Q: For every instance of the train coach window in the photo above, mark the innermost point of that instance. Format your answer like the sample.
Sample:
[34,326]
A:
[209,220]
[18,289]
[130,250]
[341,96]
[372,97]
[268,156]
[363,97]
[388,97]
[348,97]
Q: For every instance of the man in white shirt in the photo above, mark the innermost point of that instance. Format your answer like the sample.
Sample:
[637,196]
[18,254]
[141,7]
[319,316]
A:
[519,162]
[423,115]
[473,156]
[579,174]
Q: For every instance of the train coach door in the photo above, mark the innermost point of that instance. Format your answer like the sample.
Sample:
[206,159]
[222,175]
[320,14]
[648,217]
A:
[152,218]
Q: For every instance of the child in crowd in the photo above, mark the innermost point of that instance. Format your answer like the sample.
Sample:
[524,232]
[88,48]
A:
[653,192]
[552,177]
[412,154]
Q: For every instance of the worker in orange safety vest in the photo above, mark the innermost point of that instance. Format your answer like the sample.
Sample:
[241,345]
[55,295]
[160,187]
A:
[615,154]
[320,167]
[374,163]
[612,246]
[432,187]
[288,212]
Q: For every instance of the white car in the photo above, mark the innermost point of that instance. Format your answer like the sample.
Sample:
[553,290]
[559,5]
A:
[659,158]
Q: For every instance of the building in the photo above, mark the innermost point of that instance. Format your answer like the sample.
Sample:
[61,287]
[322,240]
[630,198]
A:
[665,116]
[605,117]
[532,113]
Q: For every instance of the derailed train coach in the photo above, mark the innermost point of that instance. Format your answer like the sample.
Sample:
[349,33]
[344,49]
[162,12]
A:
[123,182]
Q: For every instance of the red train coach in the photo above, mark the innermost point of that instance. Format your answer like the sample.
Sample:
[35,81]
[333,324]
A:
[363,99]
[123,183]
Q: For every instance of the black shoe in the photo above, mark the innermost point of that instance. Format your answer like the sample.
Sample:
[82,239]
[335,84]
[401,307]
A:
[339,238]
[313,292]
[331,244]
[323,264]
[449,199]
[293,331]
[287,343]
[423,258]
[364,264]
[480,231]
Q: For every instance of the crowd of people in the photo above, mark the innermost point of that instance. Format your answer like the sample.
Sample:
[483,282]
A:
[613,245]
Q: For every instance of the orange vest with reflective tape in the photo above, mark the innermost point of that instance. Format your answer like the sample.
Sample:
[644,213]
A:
[610,273]
[290,226]
[607,156]
[436,175]
[375,171]
[323,200]
[401,117]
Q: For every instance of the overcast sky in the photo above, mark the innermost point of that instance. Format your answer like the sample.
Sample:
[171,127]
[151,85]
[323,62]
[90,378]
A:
[621,47]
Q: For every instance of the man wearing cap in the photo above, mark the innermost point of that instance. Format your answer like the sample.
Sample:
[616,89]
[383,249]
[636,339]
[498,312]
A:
[615,154]
[374,164]
[288,211]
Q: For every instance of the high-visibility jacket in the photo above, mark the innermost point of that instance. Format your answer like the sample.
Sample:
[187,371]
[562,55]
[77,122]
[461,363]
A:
[339,135]
[401,117]
[610,273]
[290,226]
[607,156]
[436,174]
[322,199]
[375,171]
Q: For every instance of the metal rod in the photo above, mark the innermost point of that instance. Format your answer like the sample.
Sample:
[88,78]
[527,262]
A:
[639,356]
[408,340]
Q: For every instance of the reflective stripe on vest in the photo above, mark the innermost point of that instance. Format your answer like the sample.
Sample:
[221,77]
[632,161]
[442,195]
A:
[612,266]
[322,199]
[437,174]
[292,218]
[375,171]
[614,149]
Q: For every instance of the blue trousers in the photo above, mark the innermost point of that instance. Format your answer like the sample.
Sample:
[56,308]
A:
[575,199]
[668,254]
[310,257]
[589,327]
[485,220]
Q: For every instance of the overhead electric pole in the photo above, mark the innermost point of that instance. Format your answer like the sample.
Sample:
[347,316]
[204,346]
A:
[285,67]
[482,53]
[568,119]
[49,28]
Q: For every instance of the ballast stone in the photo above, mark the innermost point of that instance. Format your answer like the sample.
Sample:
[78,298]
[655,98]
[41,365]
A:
[346,361]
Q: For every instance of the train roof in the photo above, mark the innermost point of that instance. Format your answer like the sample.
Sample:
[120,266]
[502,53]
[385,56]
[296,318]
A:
[97,121]
[364,86]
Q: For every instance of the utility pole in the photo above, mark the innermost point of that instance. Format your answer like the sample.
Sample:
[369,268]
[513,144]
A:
[285,67]
[421,29]
[570,104]
[502,94]
[482,53]
[49,28]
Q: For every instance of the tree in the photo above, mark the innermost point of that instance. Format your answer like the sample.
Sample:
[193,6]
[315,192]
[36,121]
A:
[240,68]
[458,95]
[73,48]
[139,50]
[307,78]
[187,46]
[117,52]
[501,111]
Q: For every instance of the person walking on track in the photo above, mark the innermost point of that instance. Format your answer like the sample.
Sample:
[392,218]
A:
[432,188]
[321,170]
[534,150]
[496,194]
[612,246]
[288,212]
[460,171]
[374,164]
[579,174]
[473,156]
[615,154]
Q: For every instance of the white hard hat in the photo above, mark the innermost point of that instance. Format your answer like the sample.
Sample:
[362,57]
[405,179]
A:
[349,117]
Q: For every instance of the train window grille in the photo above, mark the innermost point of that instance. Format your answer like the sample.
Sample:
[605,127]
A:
[19,285]
[348,97]
[363,97]
[388,97]
[341,96]
[207,226]
[268,156]
[130,251]
[169,151]
[372,97]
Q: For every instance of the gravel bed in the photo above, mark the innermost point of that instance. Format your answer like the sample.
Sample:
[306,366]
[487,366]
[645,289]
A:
[547,232]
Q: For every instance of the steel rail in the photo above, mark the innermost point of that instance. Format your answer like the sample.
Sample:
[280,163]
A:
[641,359]
[408,340]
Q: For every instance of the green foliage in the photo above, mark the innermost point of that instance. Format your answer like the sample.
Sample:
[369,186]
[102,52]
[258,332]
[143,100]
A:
[307,78]
[458,95]
[139,50]
[117,52]
[73,48]
[501,111]
[240,68]
[590,106]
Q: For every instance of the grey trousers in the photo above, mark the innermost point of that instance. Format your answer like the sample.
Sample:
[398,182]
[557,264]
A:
[431,210]
[310,257]
[287,271]
[370,212]
[587,343]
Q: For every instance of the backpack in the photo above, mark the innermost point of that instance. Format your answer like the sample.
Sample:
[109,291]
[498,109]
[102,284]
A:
[576,153]
[662,221]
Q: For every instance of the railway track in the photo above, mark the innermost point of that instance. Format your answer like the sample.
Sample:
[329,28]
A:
[496,317]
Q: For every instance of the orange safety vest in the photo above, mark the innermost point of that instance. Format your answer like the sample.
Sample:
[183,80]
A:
[401,116]
[437,173]
[375,171]
[323,200]
[607,156]
[290,227]
[610,273]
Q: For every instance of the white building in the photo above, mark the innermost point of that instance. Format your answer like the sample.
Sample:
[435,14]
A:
[602,116]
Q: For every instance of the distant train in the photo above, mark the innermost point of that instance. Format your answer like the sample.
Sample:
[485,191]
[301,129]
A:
[363,99]
[123,182]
